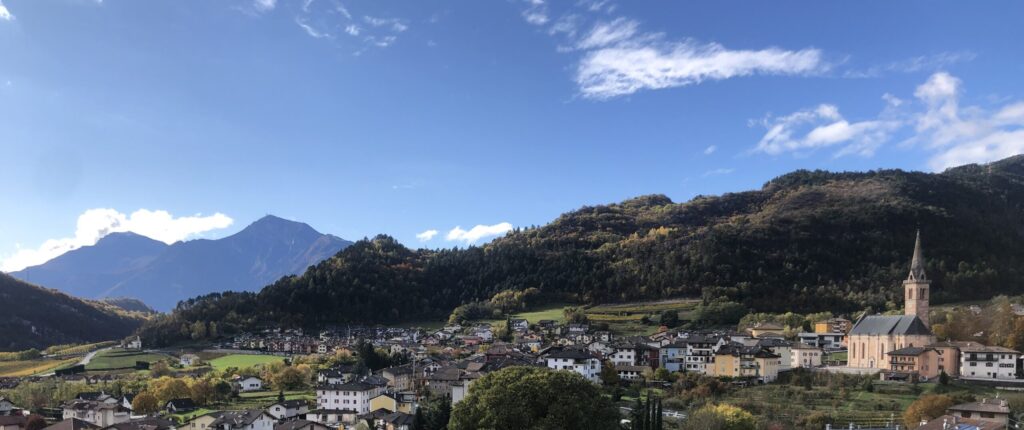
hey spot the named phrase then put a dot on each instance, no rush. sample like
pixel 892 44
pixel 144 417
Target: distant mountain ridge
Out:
pixel 37 317
pixel 130 265
pixel 806 241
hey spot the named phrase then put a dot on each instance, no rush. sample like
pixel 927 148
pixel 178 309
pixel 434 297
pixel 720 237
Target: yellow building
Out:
pixel 766 329
pixel 392 403
pixel 201 422
pixel 738 361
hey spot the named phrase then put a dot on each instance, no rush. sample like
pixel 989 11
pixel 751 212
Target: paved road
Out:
pixel 88 357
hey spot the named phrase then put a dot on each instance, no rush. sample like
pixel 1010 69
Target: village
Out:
pixel 244 382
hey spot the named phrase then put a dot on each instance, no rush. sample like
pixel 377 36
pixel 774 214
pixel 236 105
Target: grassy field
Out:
pixel 32 367
pixel 121 359
pixel 262 399
pixel 242 360
pixel 623 319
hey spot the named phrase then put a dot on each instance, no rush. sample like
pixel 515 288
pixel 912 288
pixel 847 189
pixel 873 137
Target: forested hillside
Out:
pixel 36 317
pixel 806 241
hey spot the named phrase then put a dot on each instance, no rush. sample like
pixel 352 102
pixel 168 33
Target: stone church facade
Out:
pixel 872 336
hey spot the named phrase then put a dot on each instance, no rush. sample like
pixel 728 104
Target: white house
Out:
pixel 582 362
pixel 352 395
pixel 623 354
pixel 288 409
pixel 988 362
pixel 249 383
pixel 97 412
pixel 827 341
pixel 804 355
pixel 253 419
pixel 630 373
pixel 187 360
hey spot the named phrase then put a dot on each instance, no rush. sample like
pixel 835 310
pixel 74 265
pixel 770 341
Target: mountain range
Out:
pixel 128 265
pixel 37 317
pixel 805 241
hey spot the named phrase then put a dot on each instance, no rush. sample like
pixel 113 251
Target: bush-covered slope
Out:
pixel 36 317
pixel 805 241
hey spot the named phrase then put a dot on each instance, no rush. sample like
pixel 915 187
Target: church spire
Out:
pixel 917 263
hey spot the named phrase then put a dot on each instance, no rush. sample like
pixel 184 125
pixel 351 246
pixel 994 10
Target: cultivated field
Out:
pixel 240 361
pixel 113 359
pixel 32 367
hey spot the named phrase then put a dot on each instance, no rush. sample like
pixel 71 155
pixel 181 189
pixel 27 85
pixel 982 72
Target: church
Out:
pixel 872 336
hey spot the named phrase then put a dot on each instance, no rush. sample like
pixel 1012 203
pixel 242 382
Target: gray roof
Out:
pixel 911 351
pixel 890 324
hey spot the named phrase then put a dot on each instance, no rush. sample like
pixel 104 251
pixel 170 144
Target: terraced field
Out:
pixel 32 367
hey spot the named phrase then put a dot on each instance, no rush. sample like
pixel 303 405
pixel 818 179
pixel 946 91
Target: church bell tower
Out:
pixel 916 287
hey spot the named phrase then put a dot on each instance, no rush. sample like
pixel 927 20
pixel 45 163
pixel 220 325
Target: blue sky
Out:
pixel 183 119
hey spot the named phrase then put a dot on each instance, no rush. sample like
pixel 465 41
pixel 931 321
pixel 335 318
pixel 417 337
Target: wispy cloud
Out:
pixel 921 63
pixel 718 172
pixel 932 120
pixel 478 232
pixel 94 224
pixel 618 58
pixel 325 19
pixel 312 32
pixel 536 12
pixel 5 14
pixel 264 5
pixel 426 235
pixel 394 23
pixel 710 150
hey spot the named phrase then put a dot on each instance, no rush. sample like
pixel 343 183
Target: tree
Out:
pixel 166 389
pixel 292 377
pixel 159 369
pixel 669 318
pixel 943 378
pixel 926 408
pixel 662 374
pixel 35 422
pixel 201 391
pixel 720 417
pixel 534 398
pixel 437 412
pixel 145 403
pixel 198 330
pixel 609 376
pixel 574 315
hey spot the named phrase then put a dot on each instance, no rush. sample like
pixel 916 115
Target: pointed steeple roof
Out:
pixel 917 263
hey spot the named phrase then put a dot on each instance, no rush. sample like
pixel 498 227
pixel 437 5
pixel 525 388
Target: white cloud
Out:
pixel 631 66
pixel 393 23
pixel 312 32
pixel 969 135
pixel 950 134
pixel 608 33
pixel 426 235
pixel 340 8
pixel 710 150
pixel 264 5
pixel 618 58
pixel 5 14
pixel 352 29
pixel 94 224
pixel 478 232
pixel 823 127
